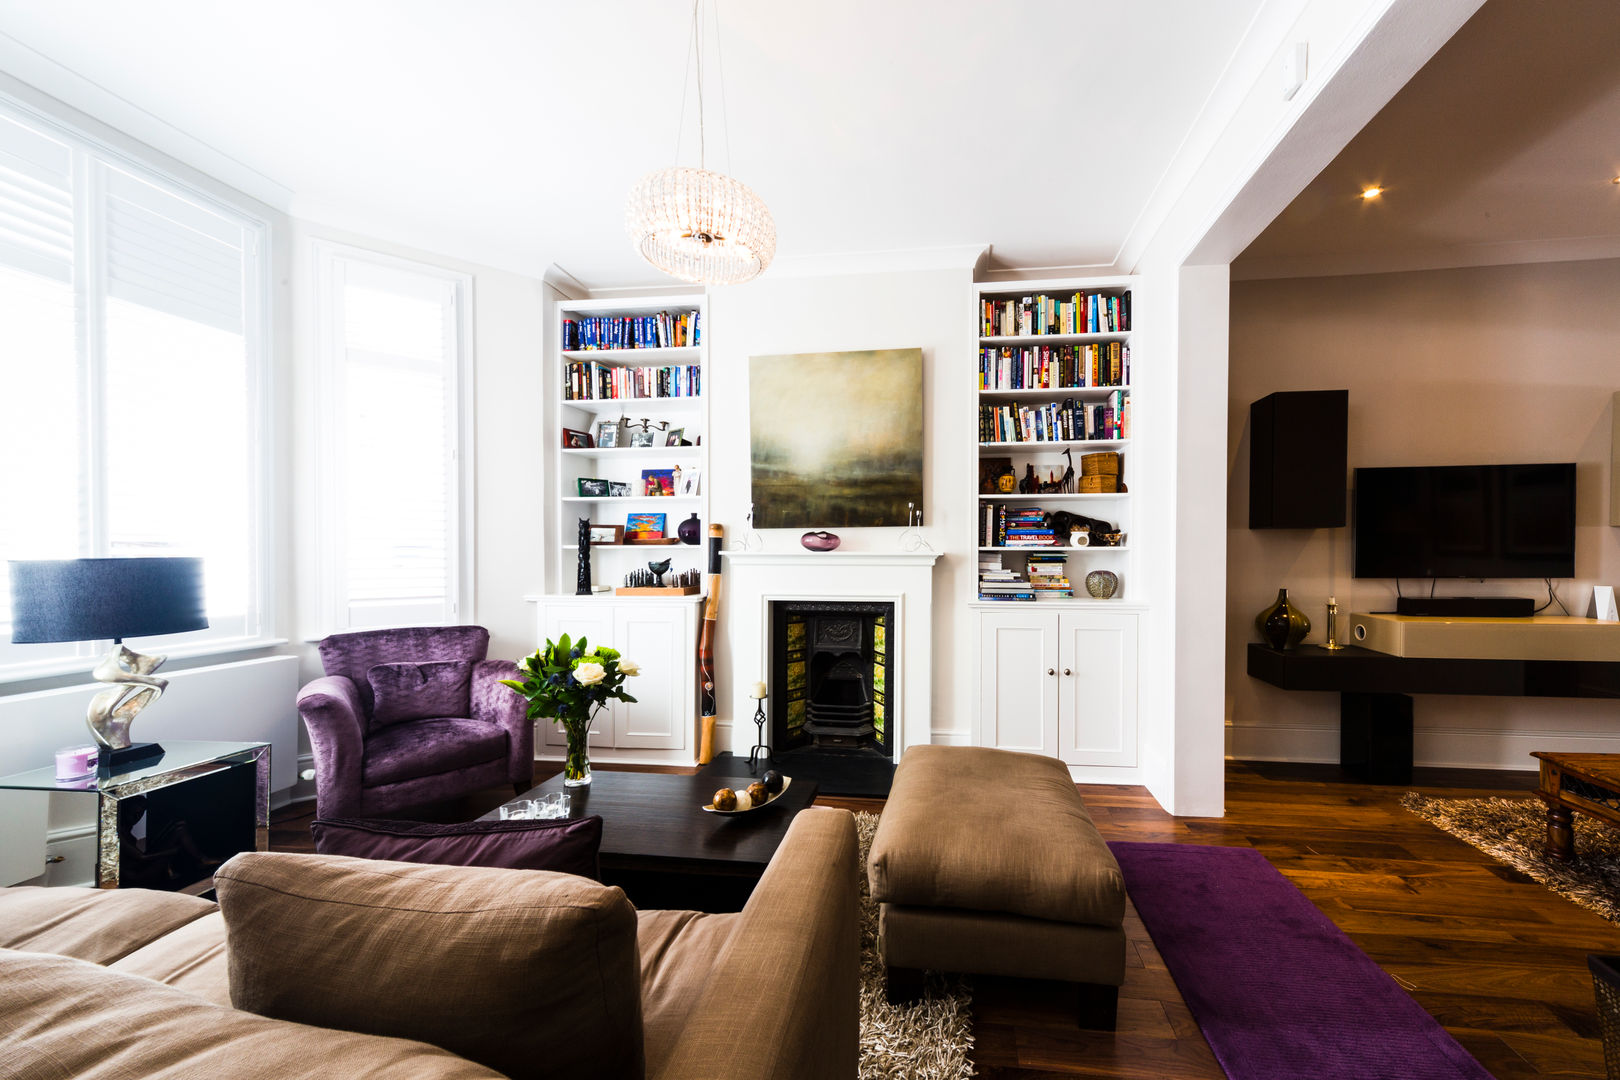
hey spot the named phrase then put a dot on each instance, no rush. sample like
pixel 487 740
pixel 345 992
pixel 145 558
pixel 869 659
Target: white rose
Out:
pixel 629 667
pixel 589 674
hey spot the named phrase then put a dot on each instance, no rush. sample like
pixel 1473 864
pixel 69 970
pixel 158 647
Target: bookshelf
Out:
pixel 1054 385
pixel 618 364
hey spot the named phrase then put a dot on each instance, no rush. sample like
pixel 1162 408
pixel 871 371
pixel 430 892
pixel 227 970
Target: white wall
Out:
pixel 1444 367
pixel 930 309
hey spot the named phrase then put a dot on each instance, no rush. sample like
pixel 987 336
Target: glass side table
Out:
pixel 171 823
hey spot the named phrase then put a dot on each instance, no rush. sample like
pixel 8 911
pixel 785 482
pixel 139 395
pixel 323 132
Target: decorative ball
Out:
pixel 725 799
pixel 772 781
pixel 743 801
pixel 758 794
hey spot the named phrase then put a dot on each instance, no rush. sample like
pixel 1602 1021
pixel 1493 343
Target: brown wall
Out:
pixel 1444 367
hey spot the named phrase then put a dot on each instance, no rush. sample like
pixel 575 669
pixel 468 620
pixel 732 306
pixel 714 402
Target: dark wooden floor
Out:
pixel 1497 958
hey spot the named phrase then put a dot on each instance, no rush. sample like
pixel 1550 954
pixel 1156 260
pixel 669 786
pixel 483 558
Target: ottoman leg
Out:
pixel 903 985
pixel 1098 1006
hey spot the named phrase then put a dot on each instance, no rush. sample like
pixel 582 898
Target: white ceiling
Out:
pixel 1501 149
pixel 508 132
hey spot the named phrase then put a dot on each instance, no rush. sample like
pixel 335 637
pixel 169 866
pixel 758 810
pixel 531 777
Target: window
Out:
pixel 131 367
pixel 392 462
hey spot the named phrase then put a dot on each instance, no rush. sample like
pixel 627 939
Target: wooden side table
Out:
pixel 1589 783
pixel 177 817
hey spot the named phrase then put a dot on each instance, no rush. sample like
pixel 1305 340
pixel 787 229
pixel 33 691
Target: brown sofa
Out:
pixel 134 983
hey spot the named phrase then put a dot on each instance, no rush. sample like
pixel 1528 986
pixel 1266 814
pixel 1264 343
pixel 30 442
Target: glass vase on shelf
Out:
pixel 568 682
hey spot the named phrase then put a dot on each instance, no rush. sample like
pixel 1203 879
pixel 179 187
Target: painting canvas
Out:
pixel 836 438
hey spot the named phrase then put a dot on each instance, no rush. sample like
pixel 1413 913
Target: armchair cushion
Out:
pixel 407 691
pixel 415 748
pixel 530 973
pixel 566 845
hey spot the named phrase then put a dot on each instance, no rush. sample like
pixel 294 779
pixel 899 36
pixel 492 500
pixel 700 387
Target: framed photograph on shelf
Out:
pixel 607 434
pixel 643 527
pixel 642 436
pixel 607 534
pixel 619 489
pixel 576 440
pixel 658 481
pixel 675 437
pixel 592 489
pixel 689 480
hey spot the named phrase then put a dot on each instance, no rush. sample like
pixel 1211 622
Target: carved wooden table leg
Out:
pixel 1560 833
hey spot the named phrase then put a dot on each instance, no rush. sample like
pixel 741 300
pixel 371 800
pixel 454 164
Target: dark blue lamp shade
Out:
pixel 97 599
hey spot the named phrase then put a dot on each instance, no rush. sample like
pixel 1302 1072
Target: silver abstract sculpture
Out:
pixel 132 689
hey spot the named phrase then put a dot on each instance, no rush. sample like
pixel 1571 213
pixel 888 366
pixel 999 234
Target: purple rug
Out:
pixel 1278 990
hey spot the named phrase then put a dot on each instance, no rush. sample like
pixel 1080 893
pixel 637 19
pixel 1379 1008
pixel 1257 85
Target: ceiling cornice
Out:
pixel 1500 253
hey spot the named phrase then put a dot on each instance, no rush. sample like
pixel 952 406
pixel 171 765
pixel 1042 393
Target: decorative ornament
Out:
pixel 820 540
pixel 695 224
pixel 1102 584
pixel 1282 624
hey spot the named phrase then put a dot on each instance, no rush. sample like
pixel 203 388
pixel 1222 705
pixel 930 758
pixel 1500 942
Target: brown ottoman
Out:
pixel 985 861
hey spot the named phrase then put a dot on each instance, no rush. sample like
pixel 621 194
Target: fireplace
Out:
pixel 831 679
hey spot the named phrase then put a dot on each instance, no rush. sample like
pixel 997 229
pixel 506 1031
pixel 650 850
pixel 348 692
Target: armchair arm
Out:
pixel 499 704
pixel 331 710
pixel 801 924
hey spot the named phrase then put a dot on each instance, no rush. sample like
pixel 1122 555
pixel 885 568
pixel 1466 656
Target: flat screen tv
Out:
pixel 1465 521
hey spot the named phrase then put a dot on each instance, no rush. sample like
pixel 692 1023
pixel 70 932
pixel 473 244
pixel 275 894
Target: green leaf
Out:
pixel 514 684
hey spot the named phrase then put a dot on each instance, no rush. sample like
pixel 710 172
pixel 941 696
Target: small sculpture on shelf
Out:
pixel 1064 483
pixel 659 569
pixel 583 587
pixel 1030 484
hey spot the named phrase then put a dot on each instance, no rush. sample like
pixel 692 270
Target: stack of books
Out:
pixel 1026 527
pixel 999 583
pixel 1066 421
pixel 660 331
pixel 1046 577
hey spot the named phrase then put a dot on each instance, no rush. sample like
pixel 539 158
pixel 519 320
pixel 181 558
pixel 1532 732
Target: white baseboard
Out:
pixel 951 738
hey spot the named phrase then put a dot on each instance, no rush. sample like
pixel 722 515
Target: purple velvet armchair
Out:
pixel 412 716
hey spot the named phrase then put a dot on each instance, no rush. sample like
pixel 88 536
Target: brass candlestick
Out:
pixel 1332 625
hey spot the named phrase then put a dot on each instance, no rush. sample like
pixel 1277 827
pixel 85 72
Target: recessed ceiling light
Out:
pixel 1616 180
pixel 1371 192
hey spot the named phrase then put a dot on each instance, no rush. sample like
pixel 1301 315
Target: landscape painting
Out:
pixel 836 438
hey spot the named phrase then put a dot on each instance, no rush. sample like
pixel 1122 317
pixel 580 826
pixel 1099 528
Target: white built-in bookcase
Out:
pixel 623 463
pixel 1048 457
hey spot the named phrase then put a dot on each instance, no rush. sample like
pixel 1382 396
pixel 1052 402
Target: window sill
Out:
pixel 85 664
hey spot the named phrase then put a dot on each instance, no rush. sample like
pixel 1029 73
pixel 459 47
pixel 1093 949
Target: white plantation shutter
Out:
pixel 392 417
pixel 130 353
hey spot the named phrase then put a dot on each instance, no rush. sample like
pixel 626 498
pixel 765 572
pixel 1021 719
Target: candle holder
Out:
pixel 1332 641
pixel 761 753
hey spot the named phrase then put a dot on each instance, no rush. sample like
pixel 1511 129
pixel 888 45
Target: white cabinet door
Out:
pixel 1097 700
pixel 592 620
pixel 658 639
pixel 1018 683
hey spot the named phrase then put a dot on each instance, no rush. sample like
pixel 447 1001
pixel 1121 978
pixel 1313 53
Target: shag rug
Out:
pixel 1512 830
pixel 927 1040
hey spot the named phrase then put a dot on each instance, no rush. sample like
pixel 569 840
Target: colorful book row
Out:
pixel 660 331
pixel 1066 421
pixel 586 380
pixel 1079 313
pixel 1055 367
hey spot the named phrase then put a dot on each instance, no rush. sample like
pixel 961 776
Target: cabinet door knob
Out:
pixel 1050 671
pixel 1066 671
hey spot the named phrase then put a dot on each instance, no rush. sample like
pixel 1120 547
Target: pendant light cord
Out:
pixel 697 37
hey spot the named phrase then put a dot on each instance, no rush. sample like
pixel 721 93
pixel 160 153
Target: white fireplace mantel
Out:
pixel 757 579
pixel 832 558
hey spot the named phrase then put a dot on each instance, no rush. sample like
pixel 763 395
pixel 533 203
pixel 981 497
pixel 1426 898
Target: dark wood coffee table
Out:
pixel 665 851
pixel 1589 783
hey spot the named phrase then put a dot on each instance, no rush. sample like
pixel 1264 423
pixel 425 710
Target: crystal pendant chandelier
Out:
pixel 695 224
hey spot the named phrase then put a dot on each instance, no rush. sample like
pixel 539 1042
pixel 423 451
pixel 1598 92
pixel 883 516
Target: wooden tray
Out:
pixel 649 543
pixel 649 590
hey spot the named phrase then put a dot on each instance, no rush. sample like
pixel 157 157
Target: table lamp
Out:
pixel 97 599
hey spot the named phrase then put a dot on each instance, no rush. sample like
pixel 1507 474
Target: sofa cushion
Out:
pixel 98 925
pixel 529 972
pixel 413 749
pixel 68 1018
pixel 191 958
pixel 992 830
pixel 409 691
pixel 566 845
pixel 678 949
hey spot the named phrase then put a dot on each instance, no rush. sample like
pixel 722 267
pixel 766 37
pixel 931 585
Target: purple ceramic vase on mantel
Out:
pixel 820 540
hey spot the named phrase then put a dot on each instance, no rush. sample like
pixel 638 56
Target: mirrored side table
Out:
pixel 171 823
